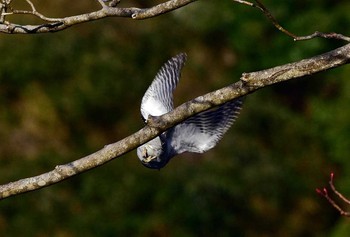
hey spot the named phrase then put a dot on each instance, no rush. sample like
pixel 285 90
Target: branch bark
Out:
pixel 248 83
pixel 58 24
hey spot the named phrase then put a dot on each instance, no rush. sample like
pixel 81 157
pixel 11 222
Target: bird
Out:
pixel 196 134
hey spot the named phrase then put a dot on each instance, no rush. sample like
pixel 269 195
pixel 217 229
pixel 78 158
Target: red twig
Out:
pixel 324 192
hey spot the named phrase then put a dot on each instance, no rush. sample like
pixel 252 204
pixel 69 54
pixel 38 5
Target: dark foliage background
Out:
pixel 67 94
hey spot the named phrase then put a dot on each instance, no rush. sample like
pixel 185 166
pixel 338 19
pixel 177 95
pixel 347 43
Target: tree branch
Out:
pixel 248 83
pixel 111 10
pixel 58 24
pixel 324 192
pixel 259 5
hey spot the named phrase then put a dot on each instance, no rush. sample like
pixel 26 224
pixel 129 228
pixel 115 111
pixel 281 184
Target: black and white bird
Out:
pixel 196 134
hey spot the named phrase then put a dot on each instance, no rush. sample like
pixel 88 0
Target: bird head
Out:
pixel 151 154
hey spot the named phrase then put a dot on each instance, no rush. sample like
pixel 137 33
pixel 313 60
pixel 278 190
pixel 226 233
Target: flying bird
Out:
pixel 196 134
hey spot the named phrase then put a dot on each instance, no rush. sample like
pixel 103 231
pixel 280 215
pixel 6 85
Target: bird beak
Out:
pixel 144 152
pixel 147 158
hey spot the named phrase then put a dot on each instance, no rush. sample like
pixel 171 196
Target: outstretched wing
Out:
pixel 203 131
pixel 158 98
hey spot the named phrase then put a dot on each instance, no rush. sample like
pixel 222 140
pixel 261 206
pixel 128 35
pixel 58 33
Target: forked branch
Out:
pixel 109 8
pixel 259 5
pixel 58 24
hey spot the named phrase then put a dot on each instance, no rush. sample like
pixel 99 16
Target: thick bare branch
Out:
pixel 58 24
pixel 305 67
pixel 249 83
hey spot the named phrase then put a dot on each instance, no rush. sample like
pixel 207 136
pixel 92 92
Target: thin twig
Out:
pixel 33 12
pixel 58 24
pixel 336 191
pixel 274 21
pixel 268 14
pixel 31 5
pixel 324 192
pixel 37 14
pixel 3 9
pixel 245 3
pixel 331 35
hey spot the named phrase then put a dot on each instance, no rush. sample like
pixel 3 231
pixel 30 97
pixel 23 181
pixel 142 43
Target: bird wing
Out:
pixel 204 130
pixel 158 99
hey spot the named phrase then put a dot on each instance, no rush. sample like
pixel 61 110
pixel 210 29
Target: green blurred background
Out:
pixel 67 94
